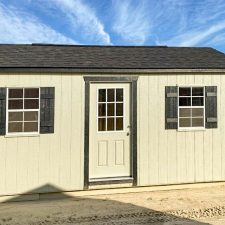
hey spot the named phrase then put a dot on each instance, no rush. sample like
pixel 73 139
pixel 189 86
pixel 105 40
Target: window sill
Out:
pixel 191 129
pixel 21 135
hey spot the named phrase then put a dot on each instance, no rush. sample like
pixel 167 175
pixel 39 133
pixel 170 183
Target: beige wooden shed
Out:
pixel 78 117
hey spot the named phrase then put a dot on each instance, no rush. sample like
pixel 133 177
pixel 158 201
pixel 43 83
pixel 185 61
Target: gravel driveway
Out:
pixel 197 206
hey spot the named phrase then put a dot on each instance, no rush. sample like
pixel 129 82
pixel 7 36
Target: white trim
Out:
pixel 27 134
pixel 191 129
pixel 18 134
pixel 111 179
pixel 200 128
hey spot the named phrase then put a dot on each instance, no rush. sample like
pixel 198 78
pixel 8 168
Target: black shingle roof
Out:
pixel 109 57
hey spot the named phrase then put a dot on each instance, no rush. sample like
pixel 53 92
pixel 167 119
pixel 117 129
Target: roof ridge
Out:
pixel 98 46
pixel 105 46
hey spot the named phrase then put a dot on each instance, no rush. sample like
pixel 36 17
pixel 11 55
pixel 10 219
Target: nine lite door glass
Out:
pixel 110 109
pixel 191 107
pixel 23 110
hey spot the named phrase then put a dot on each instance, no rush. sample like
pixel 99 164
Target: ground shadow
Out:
pixel 81 210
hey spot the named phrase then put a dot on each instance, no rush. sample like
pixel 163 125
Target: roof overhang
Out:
pixel 105 71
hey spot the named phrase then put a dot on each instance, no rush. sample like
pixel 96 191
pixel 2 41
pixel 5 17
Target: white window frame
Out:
pixel 124 114
pixel 190 107
pixel 11 134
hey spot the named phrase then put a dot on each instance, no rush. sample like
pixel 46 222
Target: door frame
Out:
pixel 133 119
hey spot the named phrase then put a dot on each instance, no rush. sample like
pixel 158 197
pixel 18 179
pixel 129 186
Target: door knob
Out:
pixel 128 133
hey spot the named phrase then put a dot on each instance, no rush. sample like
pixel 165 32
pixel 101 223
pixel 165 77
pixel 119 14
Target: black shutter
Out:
pixel 211 107
pixel 2 111
pixel 171 105
pixel 47 110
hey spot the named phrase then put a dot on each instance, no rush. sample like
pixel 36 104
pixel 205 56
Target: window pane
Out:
pixel 15 127
pixel 15 116
pixel 184 101
pixel 30 126
pixel 110 95
pixel 15 93
pixel 15 104
pixel 101 124
pixel 101 109
pixel 119 109
pixel 185 122
pixel 197 91
pixel 110 124
pixel 185 112
pixel 119 94
pixel 184 91
pixel 30 116
pixel 31 103
pixel 119 123
pixel 197 112
pixel 197 122
pixel 31 93
pixel 110 109
pixel 102 95
pixel 197 101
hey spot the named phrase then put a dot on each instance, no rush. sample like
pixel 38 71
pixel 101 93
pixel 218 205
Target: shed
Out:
pixel 77 117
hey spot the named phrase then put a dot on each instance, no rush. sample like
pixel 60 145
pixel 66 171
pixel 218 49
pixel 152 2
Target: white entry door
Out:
pixel 109 153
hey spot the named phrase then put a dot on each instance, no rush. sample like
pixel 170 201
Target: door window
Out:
pixel 110 112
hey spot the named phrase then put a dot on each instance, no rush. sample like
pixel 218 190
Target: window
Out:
pixel 23 106
pixel 191 107
pixel 110 109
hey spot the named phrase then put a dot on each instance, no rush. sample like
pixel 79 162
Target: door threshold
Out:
pixel 111 180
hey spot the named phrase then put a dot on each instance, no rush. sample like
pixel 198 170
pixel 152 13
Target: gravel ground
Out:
pixel 177 207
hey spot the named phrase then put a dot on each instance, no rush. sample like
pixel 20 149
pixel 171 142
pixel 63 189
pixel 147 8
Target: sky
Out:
pixel 114 22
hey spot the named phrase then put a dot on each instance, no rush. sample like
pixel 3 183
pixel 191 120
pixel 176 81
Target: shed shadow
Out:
pixel 61 208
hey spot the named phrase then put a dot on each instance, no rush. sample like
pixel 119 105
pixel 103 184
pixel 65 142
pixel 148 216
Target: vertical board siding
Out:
pixel 76 146
pixel 143 113
pixel 162 133
pixel 65 154
pixel 48 162
pixel 3 167
pixel 178 156
pixel 51 162
pixel 153 177
pixel 217 154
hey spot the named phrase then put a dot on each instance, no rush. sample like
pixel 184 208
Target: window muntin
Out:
pixel 23 106
pixel 110 109
pixel 191 107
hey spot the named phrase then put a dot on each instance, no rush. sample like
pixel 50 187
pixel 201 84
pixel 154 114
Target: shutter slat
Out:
pixel 2 111
pixel 211 120
pixel 171 97
pixel 47 110
pixel 211 106
pixel 171 120
pixel 211 94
